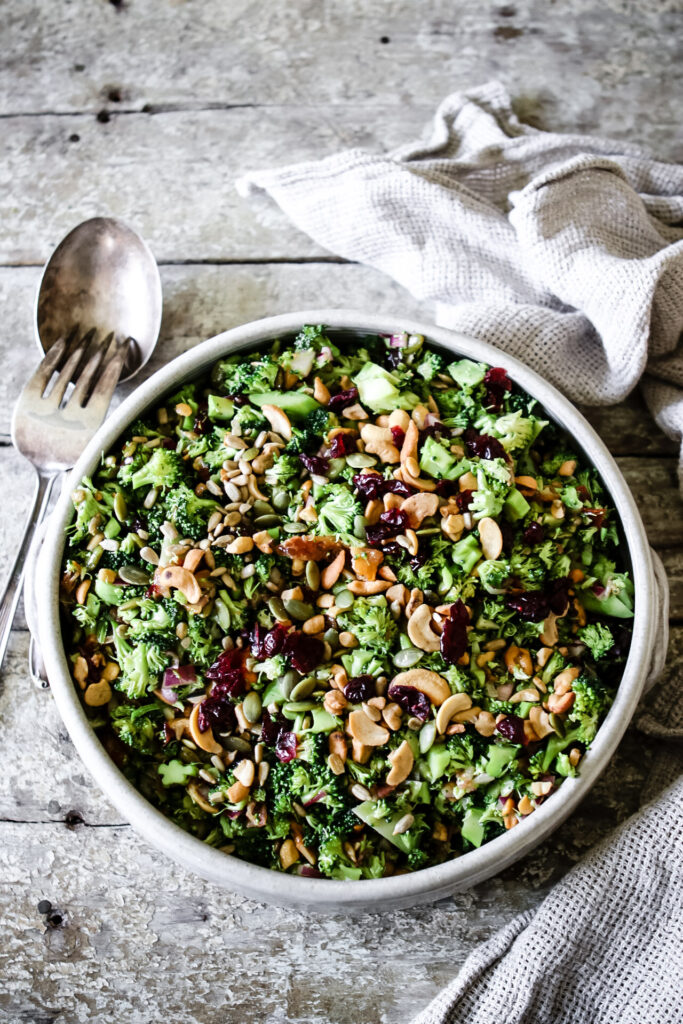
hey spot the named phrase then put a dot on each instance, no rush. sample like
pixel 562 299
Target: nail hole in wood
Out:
pixel 103 117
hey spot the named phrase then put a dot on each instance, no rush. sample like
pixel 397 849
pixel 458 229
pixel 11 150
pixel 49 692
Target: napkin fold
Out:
pixel 564 250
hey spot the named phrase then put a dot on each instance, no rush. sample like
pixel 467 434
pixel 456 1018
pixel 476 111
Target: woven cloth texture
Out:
pixel 605 947
pixel 564 250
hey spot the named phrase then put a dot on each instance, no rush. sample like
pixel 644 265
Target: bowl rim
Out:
pixel 277 887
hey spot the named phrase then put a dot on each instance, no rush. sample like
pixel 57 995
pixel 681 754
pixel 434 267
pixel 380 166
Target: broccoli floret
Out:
pixel 135 726
pixel 313 337
pixel 188 513
pixel 249 420
pixel 237 375
pixel 305 783
pixel 140 665
pixel 164 469
pixel 590 704
pixel 90 503
pixel 334 862
pixel 311 434
pixel 155 621
pixel 86 614
pixel 205 641
pixel 494 575
pixel 369 773
pixel 598 638
pixel 285 471
pixel 337 509
pixel 430 364
pixel 551 466
pixel 371 622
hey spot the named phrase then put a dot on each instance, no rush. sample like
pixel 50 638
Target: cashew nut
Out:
pixel 402 761
pixel 414 601
pixel 410 442
pixel 197 796
pixel 204 740
pixel 180 579
pixel 518 657
pixel 331 572
pixel 559 704
pixel 337 744
pixel 237 792
pixel 540 721
pixel 418 507
pixel 365 731
pixel 562 683
pixel 397 592
pixel 454 704
pixel 98 694
pixel 491 538
pixel 278 420
pixel 434 686
pixel 245 772
pixel 365 587
pixel 392 715
pixel 192 559
pixel 452 526
pixel 420 631
pixel 320 391
pixel 550 636
pixel 399 418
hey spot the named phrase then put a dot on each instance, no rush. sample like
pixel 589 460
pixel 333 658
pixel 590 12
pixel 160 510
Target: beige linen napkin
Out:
pixel 564 250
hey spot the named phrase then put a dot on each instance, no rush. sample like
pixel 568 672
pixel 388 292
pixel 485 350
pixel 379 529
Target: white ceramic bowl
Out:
pixel 321 894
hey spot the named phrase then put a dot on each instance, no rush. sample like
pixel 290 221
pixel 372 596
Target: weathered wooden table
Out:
pixel 148 110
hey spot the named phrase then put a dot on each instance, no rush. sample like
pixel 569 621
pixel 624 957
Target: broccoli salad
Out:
pixel 346 607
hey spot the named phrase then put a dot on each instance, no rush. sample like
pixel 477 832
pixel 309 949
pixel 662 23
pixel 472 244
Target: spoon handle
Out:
pixel 10 597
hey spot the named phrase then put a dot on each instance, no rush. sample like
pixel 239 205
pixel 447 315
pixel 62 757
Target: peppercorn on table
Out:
pixel 148 111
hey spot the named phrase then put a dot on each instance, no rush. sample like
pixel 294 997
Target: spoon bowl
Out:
pixel 103 275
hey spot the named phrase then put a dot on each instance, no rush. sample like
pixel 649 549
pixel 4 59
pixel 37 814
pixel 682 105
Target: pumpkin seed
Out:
pixel 336 467
pixel 344 599
pixel 250 454
pixel 297 707
pixel 120 507
pixel 251 707
pixel 408 657
pixel 427 736
pixel 557 724
pixel 359 525
pixel 299 610
pixel 280 500
pixel 268 520
pixel 313 575
pixel 331 637
pixel 94 557
pixel 276 608
pixel 236 743
pixel 262 508
pixel 303 689
pixel 131 574
pixel 359 460
pixel 295 527
pixel 288 682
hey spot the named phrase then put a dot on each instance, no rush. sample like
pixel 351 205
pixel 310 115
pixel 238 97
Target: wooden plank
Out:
pixel 135 930
pixel 576 64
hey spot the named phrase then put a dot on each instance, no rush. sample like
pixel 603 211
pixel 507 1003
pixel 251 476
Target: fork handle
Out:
pixel 10 597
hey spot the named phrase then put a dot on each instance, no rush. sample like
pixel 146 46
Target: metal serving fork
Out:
pixel 51 433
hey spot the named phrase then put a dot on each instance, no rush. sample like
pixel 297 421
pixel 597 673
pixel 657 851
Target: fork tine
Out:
pixel 47 366
pixel 80 392
pixel 64 378
pixel 98 403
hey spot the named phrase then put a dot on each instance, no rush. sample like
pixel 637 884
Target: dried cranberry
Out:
pixel 391 522
pixel 508 534
pixel 342 399
pixel 317 464
pixel 285 746
pixel 434 429
pixel 341 445
pixel 169 734
pixel 595 515
pixel 512 728
pixel 411 700
pixel 496 382
pixel 270 727
pixel 275 640
pixel 217 712
pixel 463 499
pixel 152 591
pixel 372 486
pixel 360 688
pixel 168 443
pixel 203 473
pixel 238 399
pixel 483 445
pixel 454 635
pixel 228 673
pixel 534 605
pixel 398 435
pixel 304 652
pixel 202 424
pixel 534 534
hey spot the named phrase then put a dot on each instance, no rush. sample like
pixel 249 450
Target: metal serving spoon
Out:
pixel 101 281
